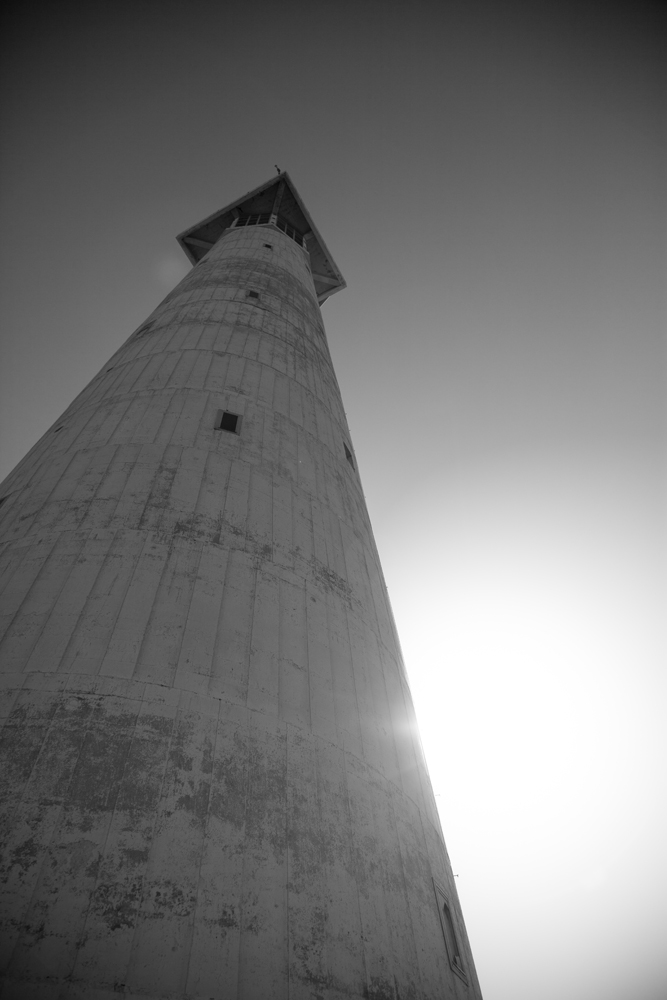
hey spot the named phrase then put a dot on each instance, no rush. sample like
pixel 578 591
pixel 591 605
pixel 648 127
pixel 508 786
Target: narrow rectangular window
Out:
pixel 449 933
pixel 253 295
pixel 348 455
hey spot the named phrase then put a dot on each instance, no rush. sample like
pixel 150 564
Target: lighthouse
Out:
pixel 213 786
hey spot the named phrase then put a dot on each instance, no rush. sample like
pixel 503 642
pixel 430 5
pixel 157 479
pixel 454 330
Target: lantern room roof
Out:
pixel 197 240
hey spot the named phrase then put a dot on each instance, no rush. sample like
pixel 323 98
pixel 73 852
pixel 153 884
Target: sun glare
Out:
pixel 529 643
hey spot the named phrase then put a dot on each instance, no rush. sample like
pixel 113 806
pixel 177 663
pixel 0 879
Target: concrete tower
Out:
pixel 213 785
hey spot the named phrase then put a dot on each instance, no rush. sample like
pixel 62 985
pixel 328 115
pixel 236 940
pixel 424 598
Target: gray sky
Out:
pixel 489 177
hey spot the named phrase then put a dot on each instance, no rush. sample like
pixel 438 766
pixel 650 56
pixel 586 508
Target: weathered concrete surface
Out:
pixel 213 786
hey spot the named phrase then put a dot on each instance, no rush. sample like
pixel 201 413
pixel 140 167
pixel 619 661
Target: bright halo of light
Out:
pixel 526 602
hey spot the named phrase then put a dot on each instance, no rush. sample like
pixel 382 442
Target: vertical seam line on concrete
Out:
pixel 56 825
pixel 180 374
pixel 148 541
pixel 19 802
pixel 108 385
pixel 253 605
pixel 63 538
pixel 27 466
pixel 15 566
pixel 203 321
pixel 202 479
pixel 304 593
pixel 287 892
pixel 75 628
pixel 186 619
pixel 81 525
pixel 353 672
pixel 170 564
pixel 151 483
pixel 124 372
pixel 139 403
pixel 216 636
pixel 173 397
pixel 339 730
pixel 106 836
pixel 9 565
pixel 66 466
pixel 158 377
pixel 204 385
pixel 245 824
pixel 167 341
pixel 386 923
pixel 136 452
pixel 163 466
pixel 352 846
pixel 203 849
pixel 116 413
pixel 79 557
pixel 406 895
pixel 223 495
pixel 156 816
pixel 315 750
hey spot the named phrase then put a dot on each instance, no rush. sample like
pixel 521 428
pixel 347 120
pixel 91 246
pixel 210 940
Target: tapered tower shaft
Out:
pixel 213 781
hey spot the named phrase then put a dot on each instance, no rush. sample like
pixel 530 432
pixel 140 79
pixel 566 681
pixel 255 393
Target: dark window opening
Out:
pixel 56 429
pixel 2 500
pixel 253 295
pixel 269 246
pixel 253 220
pixel 226 421
pixel 264 219
pixel 348 455
pixel 291 232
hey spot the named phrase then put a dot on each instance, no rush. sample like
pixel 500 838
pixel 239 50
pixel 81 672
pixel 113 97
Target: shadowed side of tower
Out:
pixel 213 785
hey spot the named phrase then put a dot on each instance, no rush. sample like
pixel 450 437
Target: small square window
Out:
pixel 269 246
pixel 226 421
pixel 253 295
pixel 348 455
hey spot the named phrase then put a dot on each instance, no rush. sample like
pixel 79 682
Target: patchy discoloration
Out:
pixel 117 904
pixel 331 581
pixel 254 789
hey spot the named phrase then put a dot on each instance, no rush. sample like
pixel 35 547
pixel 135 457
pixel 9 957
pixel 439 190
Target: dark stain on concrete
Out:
pixel 196 803
pixel 25 855
pixel 379 989
pixel 172 899
pixel 227 920
pixel 331 581
pixel 117 904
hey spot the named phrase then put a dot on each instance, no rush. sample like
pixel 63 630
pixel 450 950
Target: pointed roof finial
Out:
pixel 277 167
